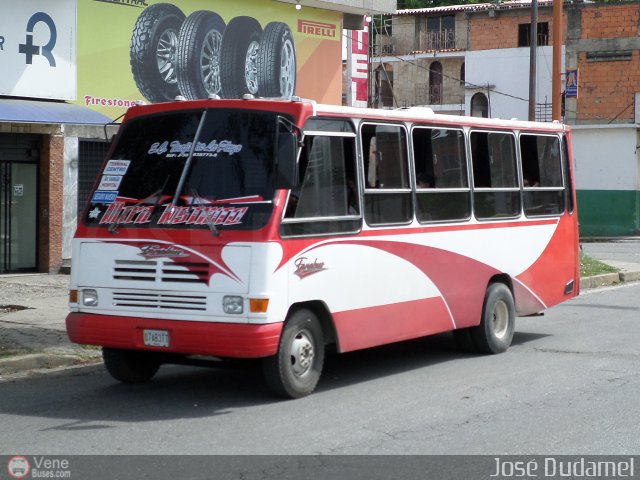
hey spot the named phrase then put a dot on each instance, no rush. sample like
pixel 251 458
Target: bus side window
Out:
pixel 543 192
pixel 496 192
pixel 440 165
pixel 387 197
pixel 328 191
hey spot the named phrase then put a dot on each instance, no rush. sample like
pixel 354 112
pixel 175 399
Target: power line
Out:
pixel 476 86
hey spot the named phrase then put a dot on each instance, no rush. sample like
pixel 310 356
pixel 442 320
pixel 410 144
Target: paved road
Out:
pixel 569 385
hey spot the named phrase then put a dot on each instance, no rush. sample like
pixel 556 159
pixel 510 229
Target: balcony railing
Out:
pixel 434 95
pixel 439 40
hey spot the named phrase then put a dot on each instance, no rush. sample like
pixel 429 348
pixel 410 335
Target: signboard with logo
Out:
pixel 571 84
pixel 145 51
pixel 37 49
pixel 359 66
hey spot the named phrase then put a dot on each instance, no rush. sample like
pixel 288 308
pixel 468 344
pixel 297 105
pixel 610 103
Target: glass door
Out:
pixel 18 216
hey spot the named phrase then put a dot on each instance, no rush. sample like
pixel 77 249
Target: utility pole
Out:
pixel 532 60
pixel 349 99
pixel 556 95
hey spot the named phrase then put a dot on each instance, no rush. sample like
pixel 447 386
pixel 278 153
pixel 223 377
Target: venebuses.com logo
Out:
pixel 38 467
pixel 18 467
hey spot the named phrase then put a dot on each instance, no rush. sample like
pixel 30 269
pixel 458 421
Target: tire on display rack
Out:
pixel 239 57
pixel 277 62
pixel 295 369
pixel 495 332
pixel 198 58
pixel 153 51
pixel 130 366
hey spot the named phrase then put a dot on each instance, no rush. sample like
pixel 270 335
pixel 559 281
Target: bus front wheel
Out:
pixel 130 366
pixel 495 332
pixel 295 370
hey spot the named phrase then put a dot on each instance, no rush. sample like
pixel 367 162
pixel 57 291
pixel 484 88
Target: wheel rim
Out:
pixel 166 55
pixel 251 67
pixel 500 319
pixel 287 69
pixel 210 62
pixel 302 353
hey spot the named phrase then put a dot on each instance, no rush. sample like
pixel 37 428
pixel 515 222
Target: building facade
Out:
pixel 71 68
pixel 474 60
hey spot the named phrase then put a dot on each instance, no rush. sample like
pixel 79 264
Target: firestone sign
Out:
pixel 37 49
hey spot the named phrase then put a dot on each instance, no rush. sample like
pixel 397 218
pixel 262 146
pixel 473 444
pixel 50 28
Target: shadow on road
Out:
pixel 90 399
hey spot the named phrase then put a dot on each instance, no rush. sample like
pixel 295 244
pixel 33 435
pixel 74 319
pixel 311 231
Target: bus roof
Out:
pixel 304 108
pixel 425 114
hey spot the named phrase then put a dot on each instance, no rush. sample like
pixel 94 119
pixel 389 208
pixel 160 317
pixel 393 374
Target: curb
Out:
pixel 608 279
pixel 603 280
pixel 629 276
pixel 39 361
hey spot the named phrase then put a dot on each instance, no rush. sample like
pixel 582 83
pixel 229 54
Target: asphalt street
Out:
pixel 568 385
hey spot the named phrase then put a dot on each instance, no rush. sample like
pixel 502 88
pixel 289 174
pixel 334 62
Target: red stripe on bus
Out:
pixel 234 340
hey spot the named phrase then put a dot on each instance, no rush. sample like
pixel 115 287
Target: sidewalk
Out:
pixel 33 309
pixel 623 254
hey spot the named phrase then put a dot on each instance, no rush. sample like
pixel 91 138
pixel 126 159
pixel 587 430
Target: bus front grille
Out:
pixel 161 271
pixel 161 301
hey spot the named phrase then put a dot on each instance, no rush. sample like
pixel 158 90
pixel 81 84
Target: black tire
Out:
pixel 495 332
pixel 239 57
pixel 295 370
pixel 130 366
pixel 198 59
pixel 277 62
pixel 153 51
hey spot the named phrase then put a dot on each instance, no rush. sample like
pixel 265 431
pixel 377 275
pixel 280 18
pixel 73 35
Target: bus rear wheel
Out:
pixel 295 369
pixel 495 332
pixel 130 366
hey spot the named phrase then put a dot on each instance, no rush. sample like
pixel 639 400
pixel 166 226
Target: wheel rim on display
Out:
pixel 302 353
pixel 251 67
pixel 210 62
pixel 166 55
pixel 500 319
pixel 287 69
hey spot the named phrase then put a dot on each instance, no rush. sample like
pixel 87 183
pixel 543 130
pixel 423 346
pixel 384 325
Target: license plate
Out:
pixel 156 338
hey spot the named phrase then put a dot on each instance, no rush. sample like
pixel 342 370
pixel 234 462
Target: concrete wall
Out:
pixel 607 179
pixel 506 71
pixel 404 34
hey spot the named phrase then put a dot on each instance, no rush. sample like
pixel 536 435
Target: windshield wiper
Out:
pixel 194 193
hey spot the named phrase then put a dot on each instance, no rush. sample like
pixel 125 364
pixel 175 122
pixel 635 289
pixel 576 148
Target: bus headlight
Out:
pixel 89 298
pixel 233 304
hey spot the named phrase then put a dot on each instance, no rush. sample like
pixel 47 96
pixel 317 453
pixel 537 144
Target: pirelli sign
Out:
pixel 311 28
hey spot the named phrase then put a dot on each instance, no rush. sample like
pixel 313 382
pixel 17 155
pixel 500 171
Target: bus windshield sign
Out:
pixel 161 175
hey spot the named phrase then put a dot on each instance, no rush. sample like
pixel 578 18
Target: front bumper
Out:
pixel 229 340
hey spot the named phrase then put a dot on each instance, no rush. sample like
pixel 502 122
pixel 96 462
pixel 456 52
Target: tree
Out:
pixel 406 4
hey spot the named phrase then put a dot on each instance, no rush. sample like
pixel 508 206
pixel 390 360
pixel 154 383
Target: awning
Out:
pixel 35 111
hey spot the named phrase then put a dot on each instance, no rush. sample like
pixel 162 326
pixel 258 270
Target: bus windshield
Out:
pixel 156 177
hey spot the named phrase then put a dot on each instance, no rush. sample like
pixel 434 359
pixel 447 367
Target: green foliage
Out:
pixel 406 4
pixel 589 266
pixel 409 4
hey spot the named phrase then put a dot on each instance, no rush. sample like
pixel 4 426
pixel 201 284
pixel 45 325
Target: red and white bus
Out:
pixel 265 229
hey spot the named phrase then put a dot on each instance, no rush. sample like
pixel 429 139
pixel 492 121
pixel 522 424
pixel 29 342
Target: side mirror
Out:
pixel 286 161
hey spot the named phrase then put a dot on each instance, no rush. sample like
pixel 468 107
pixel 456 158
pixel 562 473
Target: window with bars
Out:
pixel 524 34
pixel 91 154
